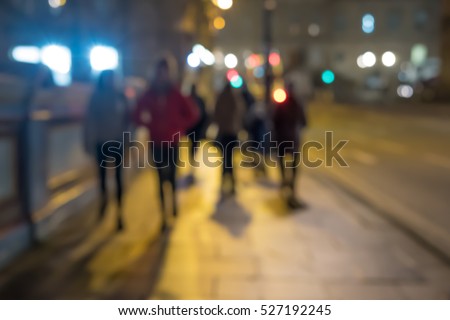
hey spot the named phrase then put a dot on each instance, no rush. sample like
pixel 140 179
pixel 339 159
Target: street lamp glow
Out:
pixel 198 49
pixel 369 59
pixel 56 3
pixel 405 91
pixel 368 23
pixel 237 82
pixel 388 59
pixel 207 57
pixel 419 54
pixel 219 23
pixel 279 95
pixel 27 54
pixel 360 62
pixel 57 58
pixel 224 4
pixel 328 77
pixel 231 61
pixel 193 60
pixel 274 59
pixel 104 58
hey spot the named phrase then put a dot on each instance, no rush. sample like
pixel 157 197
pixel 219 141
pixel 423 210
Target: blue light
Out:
pixel 328 77
pixel 104 58
pixel 57 58
pixel 27 54
pixel 237 82
pixel 368 23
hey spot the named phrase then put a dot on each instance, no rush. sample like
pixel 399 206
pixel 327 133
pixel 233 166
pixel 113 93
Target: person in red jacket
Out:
pixel 167 114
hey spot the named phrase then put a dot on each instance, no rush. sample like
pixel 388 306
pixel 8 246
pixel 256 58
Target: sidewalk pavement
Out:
pixel 248 247
pixel 253 247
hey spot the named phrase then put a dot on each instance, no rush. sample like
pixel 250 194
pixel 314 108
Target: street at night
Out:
pixel 357 238
pixel 225 150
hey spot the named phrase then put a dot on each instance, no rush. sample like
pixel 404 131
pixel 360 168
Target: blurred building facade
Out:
pixel 141 30
pixel 332 34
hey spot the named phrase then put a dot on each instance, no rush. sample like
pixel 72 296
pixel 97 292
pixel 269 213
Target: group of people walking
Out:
pixel 168 115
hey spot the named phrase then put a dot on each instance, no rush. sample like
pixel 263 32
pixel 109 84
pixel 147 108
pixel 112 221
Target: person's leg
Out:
pixel 296 158
pixel 172 174
pixel 194 145
pixel 292 200
pixel 227 152
pixel 160 162
pixel 102 179
pixel 221 146
pixel 281 157
pixel 119 191
pixel 230 165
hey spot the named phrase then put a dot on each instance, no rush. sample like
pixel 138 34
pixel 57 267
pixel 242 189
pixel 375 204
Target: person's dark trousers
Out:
pixel 195 144
pixel 165 160
pixel 227 143
pixel 109 157
pixel 289 160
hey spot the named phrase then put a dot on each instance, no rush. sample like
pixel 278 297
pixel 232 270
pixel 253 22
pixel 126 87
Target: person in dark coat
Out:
pixel 107 119
pixel 228 116
pixel 289 119
pixel 198 131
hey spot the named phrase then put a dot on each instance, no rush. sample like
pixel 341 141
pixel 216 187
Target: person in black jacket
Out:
pixel 107 118
pixel 288 121
pixel 198 131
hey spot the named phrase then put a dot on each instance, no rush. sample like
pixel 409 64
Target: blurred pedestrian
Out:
pixel 247 97
pixel 167 114
pixel 228 116
pixel 106 121
pixel 198 131
pixel 288 121
pixel 256 125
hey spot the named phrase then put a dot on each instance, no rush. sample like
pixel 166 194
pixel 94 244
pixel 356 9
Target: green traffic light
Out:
pixel 328 77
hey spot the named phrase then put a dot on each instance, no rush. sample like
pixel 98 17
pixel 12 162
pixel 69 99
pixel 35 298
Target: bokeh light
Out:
pixel 104 58
pixel 224 4
pixel 368 59
pixel 388 59
pixel 57 58
pixel 360 62
pixel 314 30
pixel 279 95
pixel 193 60
pixel 231 74
pixel 207 57
pixel 219 23
pixel 237 82
pixel 405 91
pixel 328 77
pixel 27 54
pixel 419 54
pixel 231 61
pixel 56 3
pixel 368 23
pixel 274 59
pixel 253 61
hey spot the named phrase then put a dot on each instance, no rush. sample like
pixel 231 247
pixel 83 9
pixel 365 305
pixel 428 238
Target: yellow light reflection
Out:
pixel 219 23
